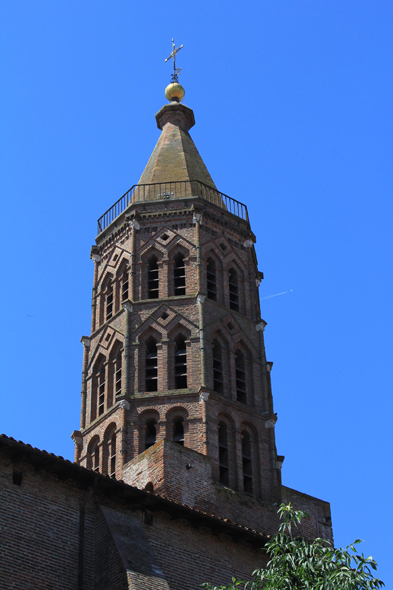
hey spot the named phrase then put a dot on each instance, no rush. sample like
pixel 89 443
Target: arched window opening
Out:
pixel 109 302
pixel 178 430
pixel 151 365
pixel 152 278
pixel 211 279
pixel 101 391
pixel 241 385
pixel 223 453
pixel 233 290
pixel 112 456
pixel 247 462
pixel 150 433
pixel 180 363
pixel 118 365
pixel 96 458
pixel 124 285
pixel 179 275
pixel 218 381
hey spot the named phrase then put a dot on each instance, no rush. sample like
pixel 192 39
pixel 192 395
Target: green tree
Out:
pixel 296 563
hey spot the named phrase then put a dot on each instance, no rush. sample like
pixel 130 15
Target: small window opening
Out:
pixel 96 458
pixel 151 365
pixel 109 302
pixel 223 453
pixel 218 380
pixel 118 364
pixel 223 247
pixel 230 325
pixel 233 290
pixel 211 279
pixel 152 278
pixel 150 433
pixel 17 477
pixel 180 275
pixel 241 385
pixel 180 362
pixel 164 237
pixel 149 487
pixel 165 316
pixel 116 256
pixel 101 391
pixel 107 337
pixel 112 456
pixel 247 463
pixel 124 286
pixel 178 431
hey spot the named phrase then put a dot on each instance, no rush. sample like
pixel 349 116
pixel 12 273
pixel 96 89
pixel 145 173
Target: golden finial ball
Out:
pixel 175 92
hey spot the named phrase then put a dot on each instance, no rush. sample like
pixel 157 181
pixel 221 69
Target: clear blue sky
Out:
pixel 293 104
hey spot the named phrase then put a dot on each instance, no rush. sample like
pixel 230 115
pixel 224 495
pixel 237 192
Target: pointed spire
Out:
pixel 175 157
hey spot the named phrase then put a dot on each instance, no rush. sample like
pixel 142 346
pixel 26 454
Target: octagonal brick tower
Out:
pixel 176 394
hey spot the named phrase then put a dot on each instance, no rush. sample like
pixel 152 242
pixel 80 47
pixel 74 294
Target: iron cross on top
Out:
pixel 176 71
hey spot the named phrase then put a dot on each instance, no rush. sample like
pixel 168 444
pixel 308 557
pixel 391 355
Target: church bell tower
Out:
pixel 176 393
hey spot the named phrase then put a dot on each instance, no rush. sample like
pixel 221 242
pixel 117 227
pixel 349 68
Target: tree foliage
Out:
pixel 296 563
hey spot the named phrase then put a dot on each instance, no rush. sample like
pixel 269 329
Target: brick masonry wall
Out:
pixel 124 546
pixel 185 476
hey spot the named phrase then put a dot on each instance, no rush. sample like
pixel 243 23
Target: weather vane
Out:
pixel 176 71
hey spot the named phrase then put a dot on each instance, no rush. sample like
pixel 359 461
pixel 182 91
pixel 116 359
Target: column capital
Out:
pixel 77 438
pixel 204 396
pixel 124 405
pixel 197 218
pixel 248 243
pixel 86 341
pixel 261 326
pixel 201 299
pixel 135 224
pixel 127 305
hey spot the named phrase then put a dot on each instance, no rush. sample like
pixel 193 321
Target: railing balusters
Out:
pixel 178 189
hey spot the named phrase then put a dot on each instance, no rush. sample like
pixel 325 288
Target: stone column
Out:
pixel 97 260
pixel 124 406
pixel 126 381
pixel 86 347
pixel 203 397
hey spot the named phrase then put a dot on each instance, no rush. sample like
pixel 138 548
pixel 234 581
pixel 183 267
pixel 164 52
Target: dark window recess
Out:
pixel 233 290
pixel 109 302
pixel 230 325
pixel 223 247
pixel 179 275
pixel 17 477
pixel 180 363
pixel 118 364
pixel 164 237
pixel 223 453
pixel 218 381
pixel 178 431
pixel 124 286
pixel 247 463
pixel 241 386
pixel 211 279
pixel 96 458
pixel 165 315
pixel 151 365
pixel 152 278
pixel 101 391
pixel 112 456
pixel 150 433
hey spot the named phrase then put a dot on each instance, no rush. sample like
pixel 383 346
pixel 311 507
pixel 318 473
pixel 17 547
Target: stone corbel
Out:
pixel 127 305
pixel 86 342
pixel 95 257
pixel 197 218
pixel 269 365
pixel 248 244
pixel 77 438
pixel 261 326
pixel 201 299
pixel 271 422
pixel 124 405
pixel 135 224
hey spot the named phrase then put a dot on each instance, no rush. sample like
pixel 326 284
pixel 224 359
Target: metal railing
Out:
pixel 171 190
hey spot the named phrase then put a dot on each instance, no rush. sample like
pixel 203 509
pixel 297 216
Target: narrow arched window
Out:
pixel 211 279
pixel 179 275
pixel 233 290
pixel 180 362
pixel 178 430
pixel 247 462
pixel 109 302
pixel 150 433
pixel 117 373
pixel 223 453
pixel 112 456
pixel 241 385
pixel 124 285
pixel 151 365
pixel 152 278
pixel 96 458
pixel 218 381
pixel 101 390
